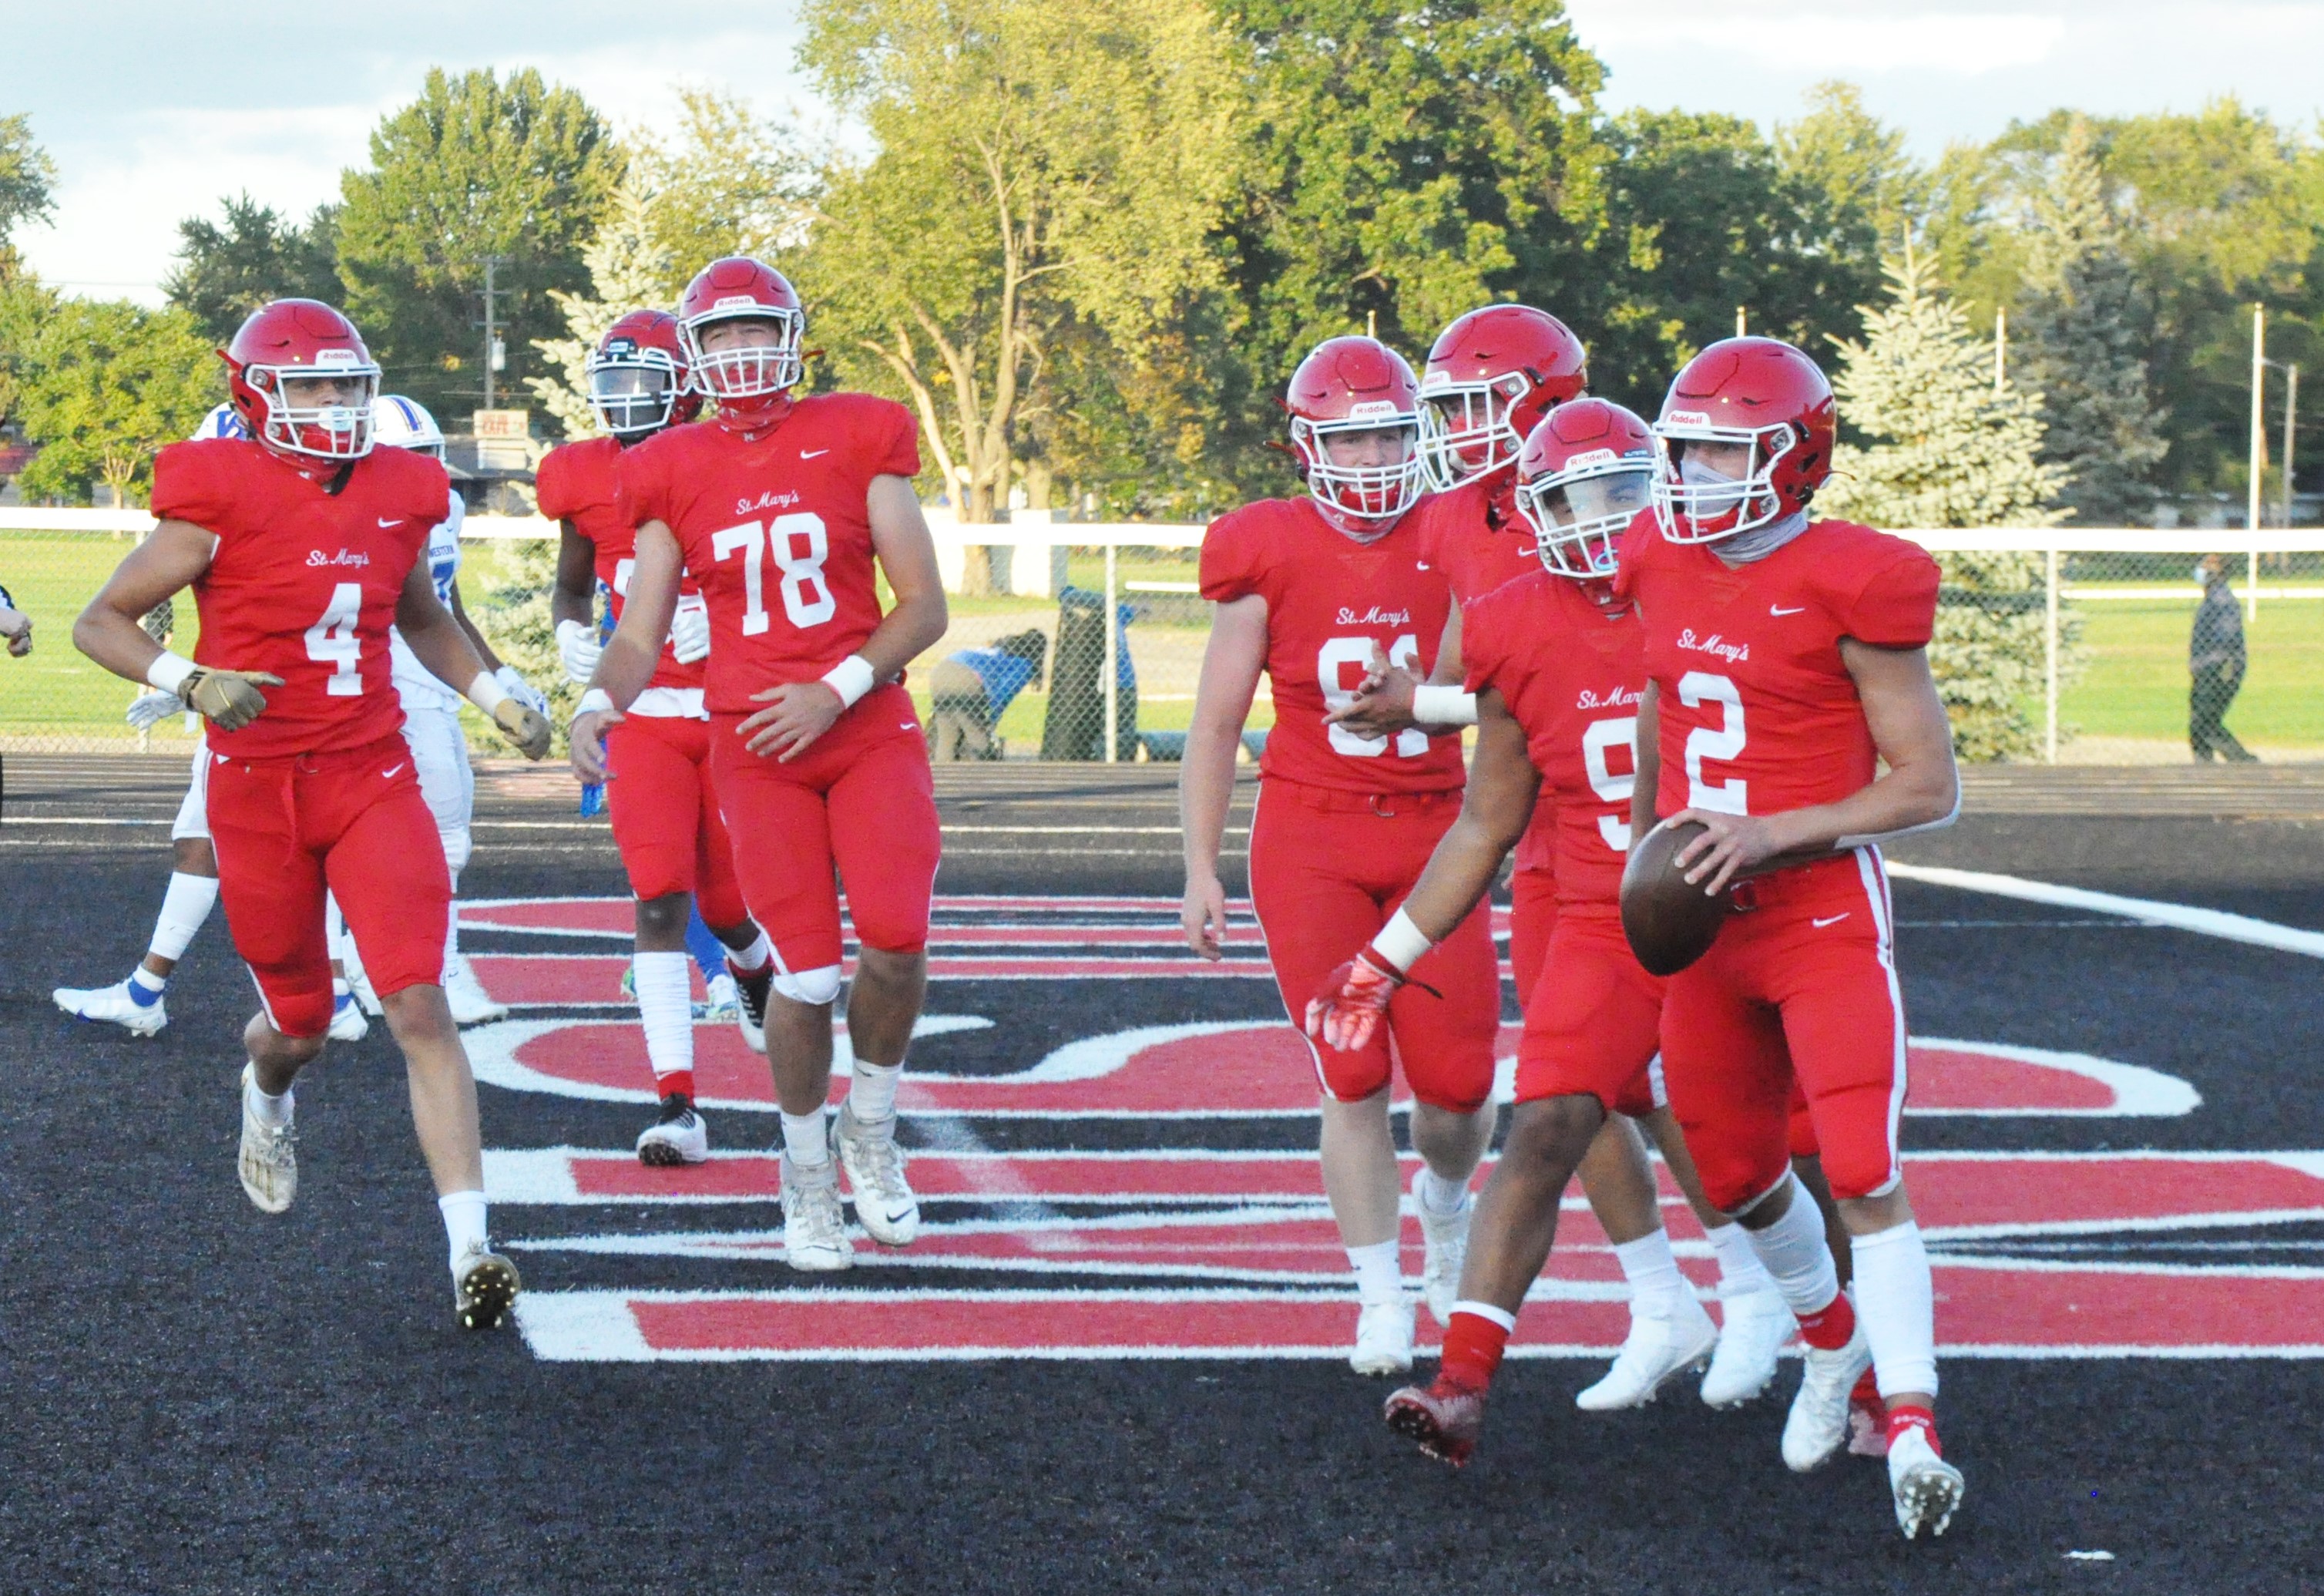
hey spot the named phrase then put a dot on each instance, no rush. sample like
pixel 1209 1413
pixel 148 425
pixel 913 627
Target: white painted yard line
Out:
pixel 2179 916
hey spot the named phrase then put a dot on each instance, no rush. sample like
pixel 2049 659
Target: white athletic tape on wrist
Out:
pixel 1400 943
pixel 488 694
pixel 595 701
pixel 1444 704
pixel 168 672
pixel 851 678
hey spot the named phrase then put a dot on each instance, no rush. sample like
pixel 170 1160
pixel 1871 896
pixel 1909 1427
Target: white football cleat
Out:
pixel 884 1204
pixel 1384 1337
pixel 1655 1349
pixel 1927 1489
pixel 678 1136
pixel 115 1005
pixel 348 1022
pixel 1817 1425
pixel 359 984
pixel 269 1160
pixel 486 1285
pixel 1753 1331
pixel 721 1003
pixel 1446 1239
pixel 470 1003
pixel 815 1230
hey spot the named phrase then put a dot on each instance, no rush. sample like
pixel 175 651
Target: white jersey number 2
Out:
pixel 1695 690
pixel 1345 656
pixel 799 545
pixel 331 640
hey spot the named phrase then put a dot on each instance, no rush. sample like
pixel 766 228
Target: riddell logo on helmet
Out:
pixel 1373 410
pixel 1689 419
pixel 734 302
pixel 337 357
pixel 1438 379
pixel 1591 458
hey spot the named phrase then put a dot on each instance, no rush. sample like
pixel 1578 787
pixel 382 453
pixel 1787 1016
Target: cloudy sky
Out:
pixel 154 108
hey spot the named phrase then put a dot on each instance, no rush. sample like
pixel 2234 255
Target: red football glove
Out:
pixel 1345 1015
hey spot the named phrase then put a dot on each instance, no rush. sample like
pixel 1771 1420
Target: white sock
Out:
pixel 1796 1256
pixel 464 1222
pixel 1379 1276
pixel 1438 1195
pixel 803 1140
pixel 1488 1312
pixel 1895 1302
pixel 184 907
pixel 1657 1289
pixel 1740 1272
pixel 666 1007
pixel 270 1111
pixel 145 980
pixel 753 958
pixel 451 941
pixel 872 1091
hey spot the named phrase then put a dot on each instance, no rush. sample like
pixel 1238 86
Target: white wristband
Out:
pixel 1400 942
pixel 595 701
pixel 1444 704
pixel 168 672
pixel 851 678
pixel 488 694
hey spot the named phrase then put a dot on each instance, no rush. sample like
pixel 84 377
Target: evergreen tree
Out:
pixel 628 270
pixel 2086 320
pixel 227 269
pixel 1945 449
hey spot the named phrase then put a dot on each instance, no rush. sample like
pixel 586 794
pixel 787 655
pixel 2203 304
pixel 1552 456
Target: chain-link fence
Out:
pixel 2072 646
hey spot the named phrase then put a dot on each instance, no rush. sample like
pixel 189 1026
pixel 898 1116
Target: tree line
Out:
pixel 1087 239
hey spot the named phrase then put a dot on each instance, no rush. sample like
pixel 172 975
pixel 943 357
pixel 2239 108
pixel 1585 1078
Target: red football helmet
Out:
pixel 1585 472
pixel 740 288
pixel 1349 387
pixel 640 380
pixel 1757 393
pixel 279 356
pixel 1490 378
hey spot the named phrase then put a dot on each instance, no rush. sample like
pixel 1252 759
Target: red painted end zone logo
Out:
pixel 1215 1250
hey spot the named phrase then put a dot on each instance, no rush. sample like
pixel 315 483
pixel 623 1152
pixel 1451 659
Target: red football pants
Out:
pixel 1327 870
pixel 860 798
pixel 1533 920
pixel 1593 1026
pixel 1799 988
pixel 664 813
pixel 354 823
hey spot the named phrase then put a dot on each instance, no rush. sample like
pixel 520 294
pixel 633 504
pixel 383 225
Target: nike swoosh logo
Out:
pixel 1420 565
pixel 1835 919
pixel 811 454
pixel 393 769
pixel 1779 610
pixel 391 521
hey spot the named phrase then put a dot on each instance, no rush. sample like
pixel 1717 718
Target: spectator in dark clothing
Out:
pixel 973 686
pixel 2214 659
pixel 15 626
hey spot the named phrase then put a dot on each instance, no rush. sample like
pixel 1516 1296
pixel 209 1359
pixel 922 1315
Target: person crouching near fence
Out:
pixel 972 689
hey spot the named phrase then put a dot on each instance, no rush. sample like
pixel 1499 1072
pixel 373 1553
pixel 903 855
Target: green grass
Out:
pixel 2135 682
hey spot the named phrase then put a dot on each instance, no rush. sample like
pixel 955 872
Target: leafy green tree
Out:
pixel 630 268
pixel 227 269
pixel 27 179
pixel 477 166
pixel 728 182
pixel 106 383
pixel 1038 161
pixel 1946 450
pixel 1872 192
pixel 2086 322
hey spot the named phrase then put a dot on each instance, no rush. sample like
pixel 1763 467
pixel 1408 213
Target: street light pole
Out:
pixel 492 331
pixel 2291 409
pixel 2258 455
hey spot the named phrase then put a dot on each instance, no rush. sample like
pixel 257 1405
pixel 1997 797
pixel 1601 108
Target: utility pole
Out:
pixel 2258 455
pixel 495 354
pixel 1742 323
pixel 2291 409
pixel 2000 350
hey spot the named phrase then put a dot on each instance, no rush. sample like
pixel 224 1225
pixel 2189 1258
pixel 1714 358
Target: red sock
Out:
pixel 1472 1351
pixel 678 1080
pixel 1828 1327
pixel 1866 1394
pixel 1901 1419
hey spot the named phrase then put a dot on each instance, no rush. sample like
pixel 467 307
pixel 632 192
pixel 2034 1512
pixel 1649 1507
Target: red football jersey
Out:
pixel 303 583
pixel 1571 672
pixel 1329 600
pixel 776 531
pixel 1759 714
pixel 577 483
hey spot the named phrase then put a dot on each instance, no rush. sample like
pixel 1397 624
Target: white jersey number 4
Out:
pixel 332 640
pixel 799 545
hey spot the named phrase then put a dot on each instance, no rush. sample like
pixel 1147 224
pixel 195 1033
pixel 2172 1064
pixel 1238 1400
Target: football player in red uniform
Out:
pixel 1788 662
pixel 302 545
pixel 1307 591
pixel 665 813
pixel 1492 375
pixel 1556 664
pixel 781 508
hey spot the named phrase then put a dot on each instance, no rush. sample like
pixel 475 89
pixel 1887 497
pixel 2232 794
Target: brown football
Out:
pixel 1670 922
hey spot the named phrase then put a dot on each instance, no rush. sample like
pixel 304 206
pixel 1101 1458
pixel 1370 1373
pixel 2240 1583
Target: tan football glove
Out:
pixel 528 729
pixel 230 698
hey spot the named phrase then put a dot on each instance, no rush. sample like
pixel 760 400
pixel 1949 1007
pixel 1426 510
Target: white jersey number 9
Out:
pixel 1597 739
pixel 1345 657
pixel 1695 690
